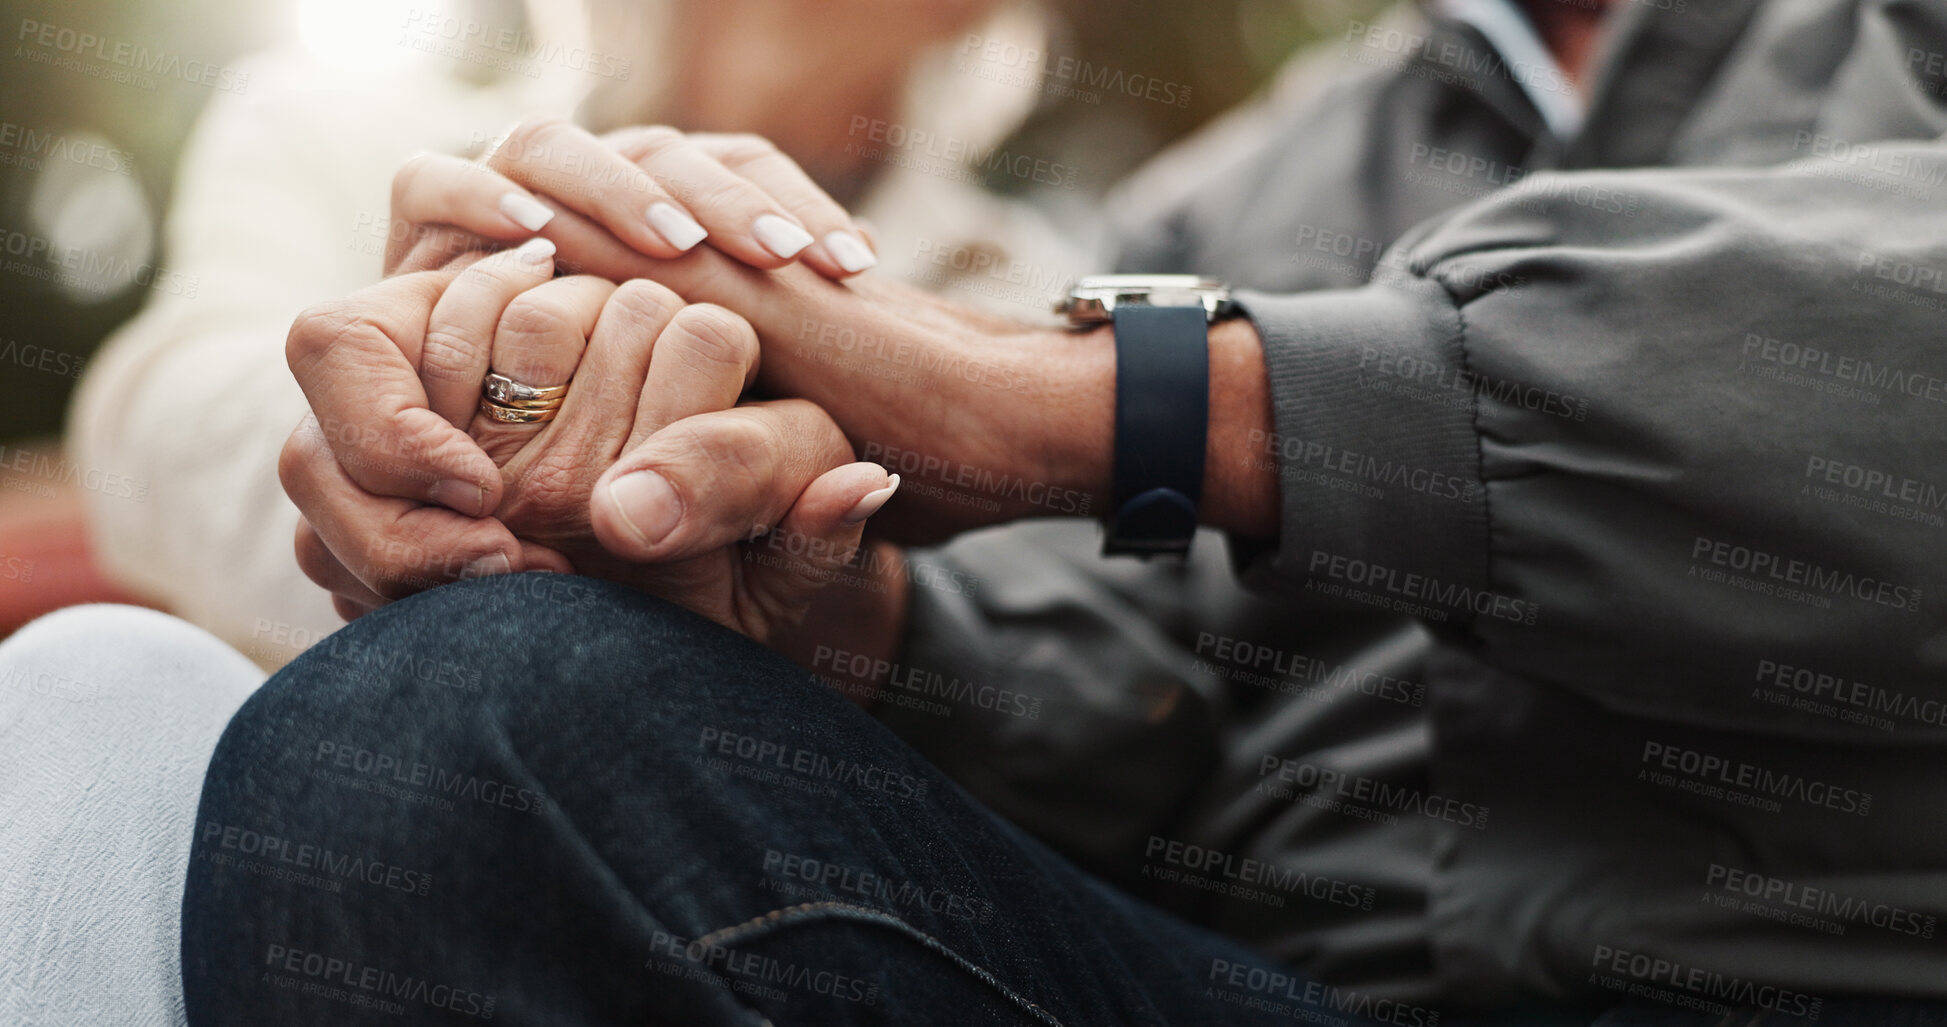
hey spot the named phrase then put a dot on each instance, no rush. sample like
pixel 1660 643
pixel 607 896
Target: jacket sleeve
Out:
pixel 1658 436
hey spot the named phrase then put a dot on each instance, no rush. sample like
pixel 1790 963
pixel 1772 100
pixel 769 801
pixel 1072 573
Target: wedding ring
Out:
pixel 510 393
pixel 513 402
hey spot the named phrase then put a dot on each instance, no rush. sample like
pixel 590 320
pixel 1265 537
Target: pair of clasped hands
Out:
pixel 683 288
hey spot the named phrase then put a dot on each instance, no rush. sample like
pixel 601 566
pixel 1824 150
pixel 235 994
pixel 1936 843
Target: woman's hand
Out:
pixel 653 473
pixel 654 189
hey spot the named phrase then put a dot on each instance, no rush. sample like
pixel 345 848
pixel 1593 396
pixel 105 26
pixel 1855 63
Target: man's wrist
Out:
pixel 1240 482
pixel 1076 386
pixel 1070 407
pixel 1018 423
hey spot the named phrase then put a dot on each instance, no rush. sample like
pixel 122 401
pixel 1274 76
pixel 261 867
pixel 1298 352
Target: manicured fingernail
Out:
pixel 535 251
pixel 647 504
pixel 487 566
pixel 463 496
pixel 780 236
pixel 526 211
pixel 872 502
pixel 677 228
pixel 850 251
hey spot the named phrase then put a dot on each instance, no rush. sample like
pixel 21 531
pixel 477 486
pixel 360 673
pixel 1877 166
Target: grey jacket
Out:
pixel 1603 645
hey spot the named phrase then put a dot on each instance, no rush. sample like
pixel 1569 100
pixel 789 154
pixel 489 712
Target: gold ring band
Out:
pixel 516 415
pixel 524 404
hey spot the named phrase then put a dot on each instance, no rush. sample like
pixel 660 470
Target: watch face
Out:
pixel 1094 300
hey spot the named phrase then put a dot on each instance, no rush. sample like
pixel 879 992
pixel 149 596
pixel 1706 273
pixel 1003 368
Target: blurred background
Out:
pixel 99 97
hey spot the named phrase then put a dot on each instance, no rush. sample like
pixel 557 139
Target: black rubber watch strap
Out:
pixel 1162 421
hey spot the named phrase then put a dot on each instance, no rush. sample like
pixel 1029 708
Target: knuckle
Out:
pixel 295 460
pixel 537 127
pixel 838 448
pixel 641 301
pixel 732 445
pixel 319 328
pixel 531 136
pixel 815 431
pixel 712 336
pixel 363 320
pixel 533 316
pixel 751 446
pixel 413 447
pixel 724 191
pixel 445 354
pixel 744 147
pixel 655 139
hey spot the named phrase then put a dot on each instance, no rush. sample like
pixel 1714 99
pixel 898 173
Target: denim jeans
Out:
pixel 542 799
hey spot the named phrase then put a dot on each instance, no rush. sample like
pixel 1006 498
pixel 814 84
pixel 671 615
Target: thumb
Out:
pixel 812 546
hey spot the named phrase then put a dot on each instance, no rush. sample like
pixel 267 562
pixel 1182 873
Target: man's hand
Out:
pixel 653 473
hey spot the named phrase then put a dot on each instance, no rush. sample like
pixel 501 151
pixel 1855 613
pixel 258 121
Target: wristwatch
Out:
pixel 1162 401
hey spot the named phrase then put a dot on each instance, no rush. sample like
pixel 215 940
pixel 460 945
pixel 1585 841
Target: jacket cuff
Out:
pixel 1376 451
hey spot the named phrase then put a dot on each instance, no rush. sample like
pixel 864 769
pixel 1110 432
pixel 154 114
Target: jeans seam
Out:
pixel 593 856
pixel 810 911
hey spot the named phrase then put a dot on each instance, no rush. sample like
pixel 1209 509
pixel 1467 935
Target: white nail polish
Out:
pixel 677 228
pixel 534 251
pixel 872 502
pixel 850 251
pixel 526 211
pixel 780 236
